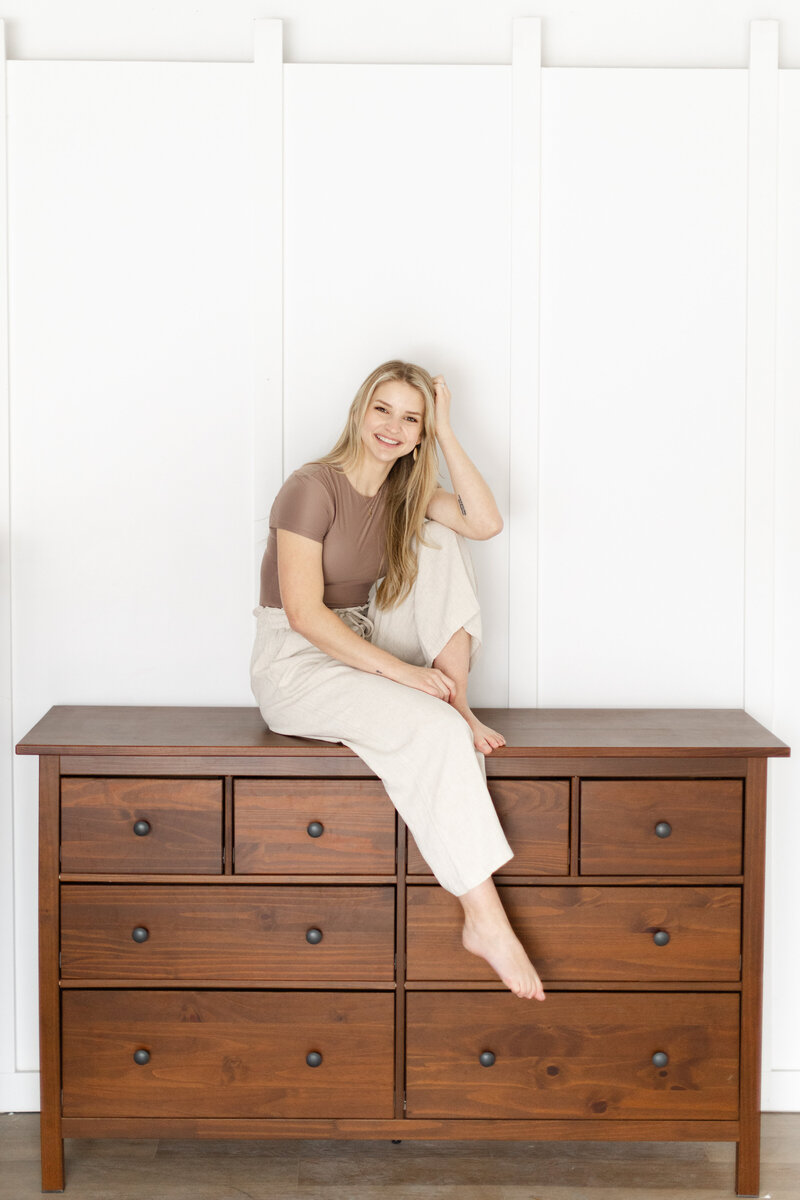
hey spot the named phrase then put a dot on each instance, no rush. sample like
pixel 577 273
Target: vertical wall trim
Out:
pixel 523 461
pixel 268 276
pixel 762 272
pixel 758 685
pixel 7 939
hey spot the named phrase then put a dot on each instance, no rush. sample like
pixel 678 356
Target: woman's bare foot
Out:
pixel 485 738
pixel 488 934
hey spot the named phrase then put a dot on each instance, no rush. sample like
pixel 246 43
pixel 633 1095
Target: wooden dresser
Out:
pixel 237 939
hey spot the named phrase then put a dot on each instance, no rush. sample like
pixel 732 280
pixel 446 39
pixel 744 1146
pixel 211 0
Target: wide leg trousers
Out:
pixel 418 745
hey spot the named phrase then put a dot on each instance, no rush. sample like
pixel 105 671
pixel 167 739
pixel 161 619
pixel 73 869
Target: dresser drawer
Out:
pixel 130 826
pixel 313 826
pixel 228 1054
pixel 661 827
pixel 534 814
pixel 227 932
pixel 574 1055
pixel 588 933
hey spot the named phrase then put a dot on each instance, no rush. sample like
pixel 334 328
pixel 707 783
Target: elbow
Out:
pixel 490 529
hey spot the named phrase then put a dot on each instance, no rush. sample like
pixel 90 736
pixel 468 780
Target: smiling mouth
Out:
pixel 386 441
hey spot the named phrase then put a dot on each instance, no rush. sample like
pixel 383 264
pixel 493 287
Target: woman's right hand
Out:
pixel 428 679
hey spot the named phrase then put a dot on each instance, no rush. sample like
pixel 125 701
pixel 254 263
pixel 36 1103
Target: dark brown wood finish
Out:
pixel 749 1145
pixel 529 733
pixel 534 814
pixel 584 1056
pixel 228 1054
pixel 179 823
pixel 245 933
pixel 318 826
pixel 588 934
pixel 226 964
pixel 700 820
pixel 49 1005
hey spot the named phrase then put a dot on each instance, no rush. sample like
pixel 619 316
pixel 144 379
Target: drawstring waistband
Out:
pixel 354 617
pixel 357 620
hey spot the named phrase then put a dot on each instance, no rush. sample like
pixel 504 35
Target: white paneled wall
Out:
pixel 205 261
pixel 397 246
pixel 644 238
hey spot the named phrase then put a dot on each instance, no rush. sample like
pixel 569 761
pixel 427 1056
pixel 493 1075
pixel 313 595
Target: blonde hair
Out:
pixel 409 485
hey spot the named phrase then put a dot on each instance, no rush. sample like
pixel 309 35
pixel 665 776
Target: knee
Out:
pixel 440 721
pixel 440 536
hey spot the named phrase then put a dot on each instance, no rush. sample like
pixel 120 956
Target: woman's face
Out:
pixel 392 424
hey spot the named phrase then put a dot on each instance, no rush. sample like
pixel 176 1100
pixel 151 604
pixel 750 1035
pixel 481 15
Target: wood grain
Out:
pixel 582 1056
pixel 234 932
pixel 228 1054
pixel 588 933
pixel 184 815
pixel 619 819
pixel 272 817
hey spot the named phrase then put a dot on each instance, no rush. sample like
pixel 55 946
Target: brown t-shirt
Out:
pixel 321 503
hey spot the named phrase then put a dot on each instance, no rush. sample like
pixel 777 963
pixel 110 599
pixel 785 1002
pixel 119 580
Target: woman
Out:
pixel 369 622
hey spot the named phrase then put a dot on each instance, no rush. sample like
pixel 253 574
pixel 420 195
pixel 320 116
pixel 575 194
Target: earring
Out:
pixel 415 454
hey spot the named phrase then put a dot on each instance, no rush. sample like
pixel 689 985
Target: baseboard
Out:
pixel 19 1091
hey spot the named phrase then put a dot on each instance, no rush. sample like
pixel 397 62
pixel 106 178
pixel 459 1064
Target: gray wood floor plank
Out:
pixel 334 1170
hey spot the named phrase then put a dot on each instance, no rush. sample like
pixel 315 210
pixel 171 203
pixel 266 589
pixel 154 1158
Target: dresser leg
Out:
pixel 748 1160
pixel 52 1157
pixel 49 999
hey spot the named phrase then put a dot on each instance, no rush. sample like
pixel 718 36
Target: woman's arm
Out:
pixel 471 511
pixel 302 587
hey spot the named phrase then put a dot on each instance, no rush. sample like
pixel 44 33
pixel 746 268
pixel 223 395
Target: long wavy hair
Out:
pixel 409 485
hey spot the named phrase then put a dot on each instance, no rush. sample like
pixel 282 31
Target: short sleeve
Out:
pixel 303 505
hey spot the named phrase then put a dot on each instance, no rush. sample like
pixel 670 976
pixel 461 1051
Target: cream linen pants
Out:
pixel 419 746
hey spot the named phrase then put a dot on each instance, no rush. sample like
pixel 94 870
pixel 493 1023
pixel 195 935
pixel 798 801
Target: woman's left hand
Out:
pixel 442 400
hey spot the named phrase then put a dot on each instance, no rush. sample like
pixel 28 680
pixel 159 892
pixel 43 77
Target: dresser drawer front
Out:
pixel 588 933
pixel 661 827
pixel 313 826
pixel 575 1055
pixel 227 932
pixel 534 814
pixel 228 1054
pixel 136 826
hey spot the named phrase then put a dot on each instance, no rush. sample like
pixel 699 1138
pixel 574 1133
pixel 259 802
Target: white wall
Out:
pixel 143 218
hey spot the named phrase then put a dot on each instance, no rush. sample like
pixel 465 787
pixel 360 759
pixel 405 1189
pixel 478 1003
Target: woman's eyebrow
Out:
pixel 409 411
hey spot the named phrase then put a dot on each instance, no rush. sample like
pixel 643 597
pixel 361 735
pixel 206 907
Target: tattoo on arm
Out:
pixel 461 506
pixel 378 672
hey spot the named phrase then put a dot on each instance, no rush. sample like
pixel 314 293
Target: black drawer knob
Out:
pixel 140 934
pixel 315 829
pixel 141 1057
pixel 487 1059
pixel 314 936
pixel 661 937
pixel 660 1059
pixel 663 829
pixel 314 1058
pixel 141 828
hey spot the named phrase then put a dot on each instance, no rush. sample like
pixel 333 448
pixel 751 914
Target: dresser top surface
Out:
pixel 532 732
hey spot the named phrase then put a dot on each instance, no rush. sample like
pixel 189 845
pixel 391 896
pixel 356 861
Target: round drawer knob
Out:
pixel 663 829
pixel 140 934
pixel 315 829
pixel 660 1059
pixel 661 937
pixel 314 936
pixel 314 1059
pixel 487 1059
pixel 141 1057
pixel 141 828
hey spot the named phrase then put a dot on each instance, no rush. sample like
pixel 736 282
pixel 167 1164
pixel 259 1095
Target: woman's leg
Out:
pixel 454 661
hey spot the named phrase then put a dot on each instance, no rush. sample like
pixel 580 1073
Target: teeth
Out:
pixel 386 440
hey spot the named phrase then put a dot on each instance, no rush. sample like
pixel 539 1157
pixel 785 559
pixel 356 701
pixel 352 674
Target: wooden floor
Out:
pixel 296 1170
